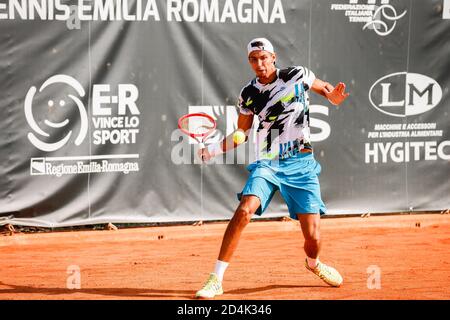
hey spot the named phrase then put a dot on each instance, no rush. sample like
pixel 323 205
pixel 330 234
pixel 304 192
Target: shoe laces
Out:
pixel 211 283
pixel 324 270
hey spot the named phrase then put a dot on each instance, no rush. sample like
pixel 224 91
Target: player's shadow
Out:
pixel 273 287
pixel 138 292
pixel 112 292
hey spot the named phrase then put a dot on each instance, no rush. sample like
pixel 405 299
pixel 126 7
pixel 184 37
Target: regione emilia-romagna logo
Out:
pixel 403 94
pixel 58 119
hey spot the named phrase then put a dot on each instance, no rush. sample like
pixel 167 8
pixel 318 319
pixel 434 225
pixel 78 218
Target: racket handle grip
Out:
pixel 201 145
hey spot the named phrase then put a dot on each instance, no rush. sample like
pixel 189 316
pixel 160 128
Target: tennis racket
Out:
pixel 198 126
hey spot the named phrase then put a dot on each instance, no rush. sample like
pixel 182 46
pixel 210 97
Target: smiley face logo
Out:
pixel 60 124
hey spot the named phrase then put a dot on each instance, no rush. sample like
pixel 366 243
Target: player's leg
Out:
pixel 310 225
pixel 244 212
pixel 305 204
pixel 254 198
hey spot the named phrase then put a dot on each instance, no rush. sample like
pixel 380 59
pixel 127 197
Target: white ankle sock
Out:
pixel 312 263
pixel 220 268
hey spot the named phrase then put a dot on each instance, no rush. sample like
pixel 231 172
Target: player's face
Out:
pixel 262 63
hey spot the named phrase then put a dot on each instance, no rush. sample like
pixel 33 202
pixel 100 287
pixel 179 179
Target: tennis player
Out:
pixel 284 157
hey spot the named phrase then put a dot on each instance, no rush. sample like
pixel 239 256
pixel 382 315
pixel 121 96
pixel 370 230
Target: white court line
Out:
pixel 95 157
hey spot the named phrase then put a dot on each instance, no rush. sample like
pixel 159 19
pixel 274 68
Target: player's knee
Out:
pixel 312 235
pixel 243 215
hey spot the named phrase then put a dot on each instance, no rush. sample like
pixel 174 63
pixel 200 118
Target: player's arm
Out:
pixel 336 95
pixel 244 124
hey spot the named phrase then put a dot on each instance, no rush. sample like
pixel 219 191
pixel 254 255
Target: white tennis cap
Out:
pixel 259 44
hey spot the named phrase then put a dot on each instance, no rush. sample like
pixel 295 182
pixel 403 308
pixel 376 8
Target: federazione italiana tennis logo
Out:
pixel 58 120
pixel 381 16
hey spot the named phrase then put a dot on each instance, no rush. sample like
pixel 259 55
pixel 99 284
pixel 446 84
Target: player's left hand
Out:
pixel 337 94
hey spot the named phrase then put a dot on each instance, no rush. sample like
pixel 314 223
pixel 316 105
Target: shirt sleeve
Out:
pixel 245 105
pixel 308 78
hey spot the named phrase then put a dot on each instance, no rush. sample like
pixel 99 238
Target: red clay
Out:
pixel 133 264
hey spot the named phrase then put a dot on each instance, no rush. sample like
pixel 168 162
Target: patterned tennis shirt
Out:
pixel 282 107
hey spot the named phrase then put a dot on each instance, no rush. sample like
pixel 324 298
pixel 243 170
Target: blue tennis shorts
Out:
pixel 297 179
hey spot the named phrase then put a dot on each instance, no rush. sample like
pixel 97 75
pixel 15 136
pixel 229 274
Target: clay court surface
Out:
pixel 173 262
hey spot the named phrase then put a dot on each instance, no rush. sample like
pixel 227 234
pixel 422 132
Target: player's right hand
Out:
pixel 204 154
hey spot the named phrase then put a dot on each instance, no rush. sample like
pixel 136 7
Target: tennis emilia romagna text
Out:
pixel 212 11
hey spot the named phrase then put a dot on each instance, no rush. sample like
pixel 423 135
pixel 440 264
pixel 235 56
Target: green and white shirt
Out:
pixel 282 108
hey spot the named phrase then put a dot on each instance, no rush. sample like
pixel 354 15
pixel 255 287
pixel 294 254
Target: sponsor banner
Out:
pixel 92 91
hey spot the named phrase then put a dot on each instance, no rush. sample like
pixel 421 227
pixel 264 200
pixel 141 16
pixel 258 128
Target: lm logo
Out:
pixel 403 94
